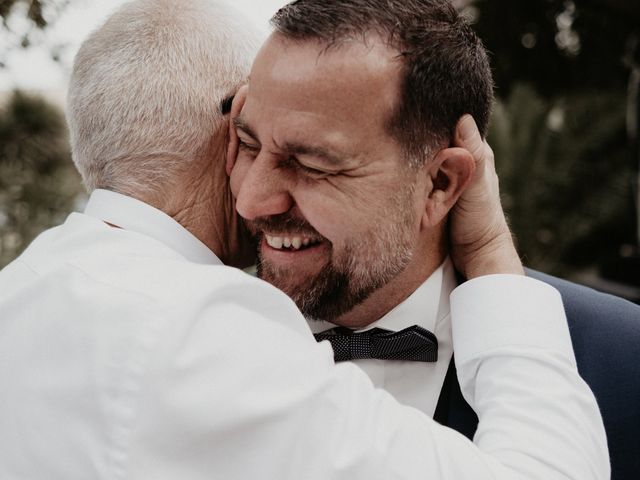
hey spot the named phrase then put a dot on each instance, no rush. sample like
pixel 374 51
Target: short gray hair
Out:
pixel 146 89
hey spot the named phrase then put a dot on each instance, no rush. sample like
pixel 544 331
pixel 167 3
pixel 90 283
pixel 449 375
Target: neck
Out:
pixel 201 201
pixel 426 259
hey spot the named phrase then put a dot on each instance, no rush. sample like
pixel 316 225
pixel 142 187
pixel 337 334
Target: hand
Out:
pixel 481 243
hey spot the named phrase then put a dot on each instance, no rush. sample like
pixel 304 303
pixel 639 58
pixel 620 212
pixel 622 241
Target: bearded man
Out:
pixel 130 351
pixel 347 173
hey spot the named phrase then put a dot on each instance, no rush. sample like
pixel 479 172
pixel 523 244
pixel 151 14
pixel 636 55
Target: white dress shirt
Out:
pixel 131 353
pixel 417 384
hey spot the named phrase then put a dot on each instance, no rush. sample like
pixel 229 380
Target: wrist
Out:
pixel 495 256
pixel 498 256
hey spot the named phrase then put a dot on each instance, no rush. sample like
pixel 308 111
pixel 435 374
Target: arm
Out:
pixel 481 244
pixel 243 391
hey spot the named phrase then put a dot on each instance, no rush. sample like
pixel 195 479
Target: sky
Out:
pixel 33 68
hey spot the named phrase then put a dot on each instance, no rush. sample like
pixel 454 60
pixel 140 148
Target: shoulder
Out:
pixel 591 312
pixel 605 331
pixel 116 274
pixel 187 292
pixel 121 273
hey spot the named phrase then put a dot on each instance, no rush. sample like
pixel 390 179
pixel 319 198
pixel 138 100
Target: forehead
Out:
pixel 355 85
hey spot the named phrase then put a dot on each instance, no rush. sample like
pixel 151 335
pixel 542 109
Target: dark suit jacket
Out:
pixel 605 331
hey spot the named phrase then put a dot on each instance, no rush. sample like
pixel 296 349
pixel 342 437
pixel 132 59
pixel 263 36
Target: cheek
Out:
pixel 336 216
pixel 326 213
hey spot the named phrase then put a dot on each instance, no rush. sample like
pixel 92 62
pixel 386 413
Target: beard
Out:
pixel 351 274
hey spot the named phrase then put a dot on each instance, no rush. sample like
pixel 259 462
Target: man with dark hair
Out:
pixel 355 50
pixel 346 172
pixel 130 351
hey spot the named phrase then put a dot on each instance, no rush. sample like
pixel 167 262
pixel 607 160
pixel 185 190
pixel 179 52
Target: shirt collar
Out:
pixel 425 307
pixel 134 215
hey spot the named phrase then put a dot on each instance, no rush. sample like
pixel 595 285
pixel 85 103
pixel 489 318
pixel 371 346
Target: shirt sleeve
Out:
pixel 517 370
pixel 244 391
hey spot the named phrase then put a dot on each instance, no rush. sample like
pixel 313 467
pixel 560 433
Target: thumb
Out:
pixel 468 136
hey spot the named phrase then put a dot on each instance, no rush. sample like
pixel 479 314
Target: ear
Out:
pixel 449 174
pixel 236 108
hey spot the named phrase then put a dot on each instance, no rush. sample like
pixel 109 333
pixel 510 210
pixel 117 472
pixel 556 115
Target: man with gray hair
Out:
pixel 144 111
pixel 130 351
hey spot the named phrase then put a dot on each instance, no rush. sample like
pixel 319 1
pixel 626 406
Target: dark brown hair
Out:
pixel 446 70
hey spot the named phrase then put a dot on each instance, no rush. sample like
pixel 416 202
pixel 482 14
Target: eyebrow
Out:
pixel 293 148
pixel 314 151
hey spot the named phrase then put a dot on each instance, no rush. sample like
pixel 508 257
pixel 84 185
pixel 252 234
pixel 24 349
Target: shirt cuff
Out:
pixel 502 311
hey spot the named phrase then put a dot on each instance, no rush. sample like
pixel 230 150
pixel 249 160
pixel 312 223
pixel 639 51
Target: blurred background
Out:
pixel 565 128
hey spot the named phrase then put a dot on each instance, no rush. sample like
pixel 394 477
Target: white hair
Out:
pixel 146 88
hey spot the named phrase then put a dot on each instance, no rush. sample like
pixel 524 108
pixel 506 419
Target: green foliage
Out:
pixel 558 45
pixel 565 173
pixel 38 182
pixel 566 162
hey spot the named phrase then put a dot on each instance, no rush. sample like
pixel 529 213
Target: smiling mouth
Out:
pixel 290 242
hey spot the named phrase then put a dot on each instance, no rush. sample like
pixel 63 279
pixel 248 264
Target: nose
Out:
pixel 264 190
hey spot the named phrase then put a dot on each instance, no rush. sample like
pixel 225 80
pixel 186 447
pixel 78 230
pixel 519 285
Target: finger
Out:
pixel 236 108
pixel 468 136
pixel 488 154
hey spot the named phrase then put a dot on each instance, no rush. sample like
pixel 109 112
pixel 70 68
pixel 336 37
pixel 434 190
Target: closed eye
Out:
pixel 252 149
pixel 309 171
pixel 312 171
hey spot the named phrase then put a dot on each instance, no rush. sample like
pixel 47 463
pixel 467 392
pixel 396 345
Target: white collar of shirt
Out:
pixel 416 384
pixel 136 216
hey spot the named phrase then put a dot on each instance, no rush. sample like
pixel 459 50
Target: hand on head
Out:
pixel 481 242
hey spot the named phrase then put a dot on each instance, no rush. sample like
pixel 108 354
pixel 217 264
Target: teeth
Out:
pixel 274 242
pixel 288 242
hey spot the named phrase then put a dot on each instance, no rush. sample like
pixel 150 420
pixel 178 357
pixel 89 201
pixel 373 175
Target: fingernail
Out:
pixel 468 128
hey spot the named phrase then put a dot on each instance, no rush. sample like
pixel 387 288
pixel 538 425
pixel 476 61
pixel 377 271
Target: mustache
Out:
pixel 283 223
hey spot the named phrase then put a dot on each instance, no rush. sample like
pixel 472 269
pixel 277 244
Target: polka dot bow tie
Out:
pixel 411 344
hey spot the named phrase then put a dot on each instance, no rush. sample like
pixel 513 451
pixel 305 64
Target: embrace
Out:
pixel 392 332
